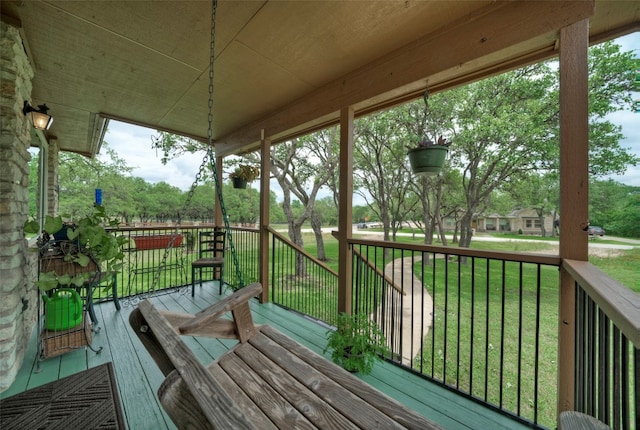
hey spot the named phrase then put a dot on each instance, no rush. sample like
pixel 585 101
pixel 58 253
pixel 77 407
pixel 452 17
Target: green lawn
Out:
pixel 482 321
pixel 624 268
pixel 508 326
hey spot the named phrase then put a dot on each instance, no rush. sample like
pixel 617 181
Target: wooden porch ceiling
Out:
pixel 283 66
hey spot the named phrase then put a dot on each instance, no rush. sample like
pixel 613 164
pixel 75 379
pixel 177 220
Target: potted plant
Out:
pixel 76 250
pixel 356 343
pixel 244 174
pixel 428 157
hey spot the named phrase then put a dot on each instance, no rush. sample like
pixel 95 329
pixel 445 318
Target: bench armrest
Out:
pixel 237 303
pixel 217 406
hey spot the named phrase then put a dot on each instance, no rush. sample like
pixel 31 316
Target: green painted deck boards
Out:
pixel 138 377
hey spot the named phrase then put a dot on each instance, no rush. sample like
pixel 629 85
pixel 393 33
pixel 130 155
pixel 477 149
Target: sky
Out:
pixel 133 143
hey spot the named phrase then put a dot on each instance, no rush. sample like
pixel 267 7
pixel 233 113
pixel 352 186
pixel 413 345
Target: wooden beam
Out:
pixel 345 204
pixel 218 205
pixel 265 201
pixel 574 187
pixel 497 27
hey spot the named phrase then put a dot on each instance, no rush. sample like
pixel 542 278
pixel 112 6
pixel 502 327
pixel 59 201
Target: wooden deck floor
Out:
pixel 138 377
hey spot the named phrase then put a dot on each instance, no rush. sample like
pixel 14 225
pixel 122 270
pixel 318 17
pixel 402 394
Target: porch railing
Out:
pixel 159 258
pixel 481 323
pixel 484 324
pixel 301 282
pixel 607 384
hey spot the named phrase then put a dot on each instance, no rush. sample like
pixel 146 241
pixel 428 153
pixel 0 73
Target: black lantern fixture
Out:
pixel 39 117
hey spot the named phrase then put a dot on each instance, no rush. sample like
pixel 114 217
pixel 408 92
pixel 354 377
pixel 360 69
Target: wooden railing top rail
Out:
pixel 301 250
pixel 181 227
pixel 159 227
pixel 525 257
pixel 618 302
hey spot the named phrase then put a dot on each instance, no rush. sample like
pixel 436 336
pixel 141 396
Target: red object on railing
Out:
pixel 157 241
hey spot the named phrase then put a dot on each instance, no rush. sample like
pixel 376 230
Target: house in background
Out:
pixel 525 220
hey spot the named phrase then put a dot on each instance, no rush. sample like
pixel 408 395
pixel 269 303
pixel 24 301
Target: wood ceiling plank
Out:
pixel 495 28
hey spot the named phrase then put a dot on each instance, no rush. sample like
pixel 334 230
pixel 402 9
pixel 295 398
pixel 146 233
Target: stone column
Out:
pixel 18 297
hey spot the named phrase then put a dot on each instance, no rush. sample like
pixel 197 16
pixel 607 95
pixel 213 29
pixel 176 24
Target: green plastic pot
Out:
pixel 63 310
pixel 239 183
pixel 427 161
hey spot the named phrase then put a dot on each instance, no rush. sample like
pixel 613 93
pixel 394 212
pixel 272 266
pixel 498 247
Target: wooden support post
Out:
pixel 265 176
pixel 574 198
pixel 345 222
pixel 218 213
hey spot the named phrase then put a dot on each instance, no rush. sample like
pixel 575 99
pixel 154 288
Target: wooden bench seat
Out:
pixel 265 381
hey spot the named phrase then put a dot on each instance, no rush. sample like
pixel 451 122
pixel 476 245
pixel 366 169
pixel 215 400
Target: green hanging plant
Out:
pixel 80 242
pixel 245 172
pixel 427 156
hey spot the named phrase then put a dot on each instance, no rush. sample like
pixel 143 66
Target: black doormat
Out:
pixel 86 400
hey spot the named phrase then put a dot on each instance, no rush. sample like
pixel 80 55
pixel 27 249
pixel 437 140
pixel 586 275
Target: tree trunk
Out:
pixel 465 233
pixel 316 225
pixel 295 233
pixel 437 215
pixel 543 230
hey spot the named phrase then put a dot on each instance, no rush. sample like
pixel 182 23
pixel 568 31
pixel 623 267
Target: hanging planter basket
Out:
pixel 239 183
pixel 427 161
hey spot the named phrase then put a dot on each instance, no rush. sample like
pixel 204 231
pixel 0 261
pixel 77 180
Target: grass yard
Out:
pixel 496 319
pixel 486 326
pixel 624 268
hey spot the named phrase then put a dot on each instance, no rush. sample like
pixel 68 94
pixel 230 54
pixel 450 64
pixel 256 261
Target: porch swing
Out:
pixel 300 386
pixel 219 240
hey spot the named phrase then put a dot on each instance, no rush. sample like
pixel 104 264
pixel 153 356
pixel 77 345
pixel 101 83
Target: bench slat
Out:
pixel 249 409
pixel 216 405
pixel 179 403
pixel 398 412
pixel 281 412
pixel 291 368
pixel 304 398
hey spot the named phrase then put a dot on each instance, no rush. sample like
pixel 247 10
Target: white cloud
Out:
pixel 133 144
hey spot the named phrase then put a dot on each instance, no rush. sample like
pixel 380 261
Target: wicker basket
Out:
pixel 56 263
pixel 56 342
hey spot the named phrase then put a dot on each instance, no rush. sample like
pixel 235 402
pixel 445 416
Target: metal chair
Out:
pixel 210 255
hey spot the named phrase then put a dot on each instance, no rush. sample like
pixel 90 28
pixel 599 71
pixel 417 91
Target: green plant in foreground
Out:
pixel 83 240
pixel 356 343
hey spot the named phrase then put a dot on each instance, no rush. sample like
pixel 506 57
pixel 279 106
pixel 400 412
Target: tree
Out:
pixel 173 145
pixel 625 220
pixel 294 167
pixel 381 172
pixel 79 176
pixel 506 127
pixel 615 207
pixel 165 202
pixel 539 192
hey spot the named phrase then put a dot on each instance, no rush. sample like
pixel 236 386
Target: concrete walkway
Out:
pixel 417 306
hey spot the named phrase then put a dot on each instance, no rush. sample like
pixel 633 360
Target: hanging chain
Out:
pixel 425 97
pixel 212 159
pixel 209 159
pixel 174 235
